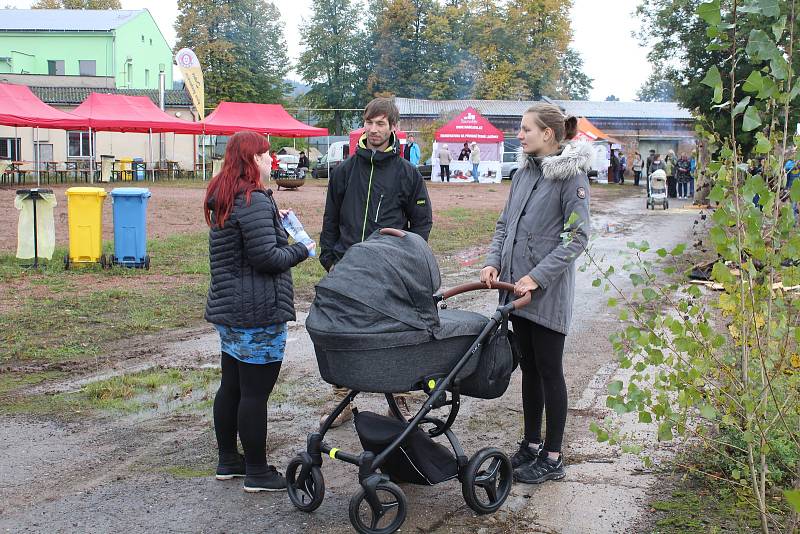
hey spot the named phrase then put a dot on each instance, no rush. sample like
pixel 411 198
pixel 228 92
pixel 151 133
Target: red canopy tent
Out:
pixel 355 135
pixel 20 107
pixel 131 114
pixel 136 114
pixel 271 119
pixel 467 127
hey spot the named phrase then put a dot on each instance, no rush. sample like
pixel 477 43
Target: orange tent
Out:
pixel 589 132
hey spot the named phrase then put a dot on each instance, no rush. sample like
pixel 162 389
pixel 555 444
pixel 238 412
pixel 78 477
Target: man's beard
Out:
pixel 381 143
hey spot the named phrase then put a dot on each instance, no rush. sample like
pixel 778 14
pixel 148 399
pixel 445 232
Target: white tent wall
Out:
pixel 489 168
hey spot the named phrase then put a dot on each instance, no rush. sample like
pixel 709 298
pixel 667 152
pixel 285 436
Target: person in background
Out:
pixel 475 159
pixel 250 300
pixel 637 167
pixel 275 165
pixel 623 166
pixel 412 153
pixel 683 172
pixel 464 154
pixel 649 162
pixel 444 162
pixel 614 167
pixel 669 168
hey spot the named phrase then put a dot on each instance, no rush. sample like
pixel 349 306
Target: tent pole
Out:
pixel 150 154
pixel 37 155
pixel 91 157
pixel 203 145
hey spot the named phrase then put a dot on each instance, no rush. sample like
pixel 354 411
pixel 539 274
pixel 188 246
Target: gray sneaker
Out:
pixel 542 470
pixel 525 454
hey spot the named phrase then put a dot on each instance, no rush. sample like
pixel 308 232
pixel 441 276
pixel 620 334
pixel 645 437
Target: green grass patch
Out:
pixel 459 228
pixel 15 380
pixel 129 393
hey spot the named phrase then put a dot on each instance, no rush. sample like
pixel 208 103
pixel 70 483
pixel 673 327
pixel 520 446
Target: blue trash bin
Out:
pixel 130 226
pixel 139 169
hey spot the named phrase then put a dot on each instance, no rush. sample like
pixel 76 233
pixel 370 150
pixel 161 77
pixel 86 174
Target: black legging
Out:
pixel 543 385
pixel 241 405
pixel 445 172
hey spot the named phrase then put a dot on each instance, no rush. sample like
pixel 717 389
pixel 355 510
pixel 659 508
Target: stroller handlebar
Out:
pixel 474 286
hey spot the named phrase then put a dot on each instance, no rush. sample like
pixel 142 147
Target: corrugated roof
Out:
pixel 65 19
pixel 624 110
pixel 515 108
pixel 76 95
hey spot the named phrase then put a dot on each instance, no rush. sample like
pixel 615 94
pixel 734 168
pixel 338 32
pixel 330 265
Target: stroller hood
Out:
pixel 389 280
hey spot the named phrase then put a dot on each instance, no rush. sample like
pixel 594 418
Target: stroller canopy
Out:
pixel 389 279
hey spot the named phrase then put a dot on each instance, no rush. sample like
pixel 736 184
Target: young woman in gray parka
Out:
pixel 529 251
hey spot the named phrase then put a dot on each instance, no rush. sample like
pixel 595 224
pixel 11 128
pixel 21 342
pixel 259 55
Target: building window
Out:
pixel 87 67
pixel 55 67
pixel 151 42
pixel 10 148
pixel 142 38
pixel 129 73
pixel 147 77
pixel 78 145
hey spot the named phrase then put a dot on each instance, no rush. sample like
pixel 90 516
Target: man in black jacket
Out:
pixel 376 188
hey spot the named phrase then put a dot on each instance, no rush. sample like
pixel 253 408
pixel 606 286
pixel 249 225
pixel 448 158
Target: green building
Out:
pixel 124 44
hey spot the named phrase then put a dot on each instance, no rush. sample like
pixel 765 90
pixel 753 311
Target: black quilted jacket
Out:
pixel 251 281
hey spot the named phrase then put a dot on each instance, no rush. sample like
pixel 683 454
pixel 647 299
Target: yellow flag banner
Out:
pixel 193 78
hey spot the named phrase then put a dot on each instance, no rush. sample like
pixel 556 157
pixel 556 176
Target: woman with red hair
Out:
pixel 250 300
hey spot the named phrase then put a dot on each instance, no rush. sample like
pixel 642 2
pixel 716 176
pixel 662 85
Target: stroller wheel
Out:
pixel 306 491
pixel 390 516
pixel 486 480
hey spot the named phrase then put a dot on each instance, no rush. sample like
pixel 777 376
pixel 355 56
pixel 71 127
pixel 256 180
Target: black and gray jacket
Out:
pixel 251 281
pixel 368 191
pixel 528 235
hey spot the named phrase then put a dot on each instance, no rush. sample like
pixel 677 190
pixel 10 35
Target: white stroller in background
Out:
pixel 657 190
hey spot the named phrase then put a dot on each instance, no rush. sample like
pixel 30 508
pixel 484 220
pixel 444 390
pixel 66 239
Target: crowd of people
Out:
pixel 250 297
pixel 680 170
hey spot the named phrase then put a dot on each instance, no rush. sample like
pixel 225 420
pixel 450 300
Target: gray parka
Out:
pixel 527 238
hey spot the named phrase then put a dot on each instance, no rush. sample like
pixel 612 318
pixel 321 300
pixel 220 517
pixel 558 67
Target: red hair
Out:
pixel 239 174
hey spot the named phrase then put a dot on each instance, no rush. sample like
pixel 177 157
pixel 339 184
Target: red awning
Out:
pixel 469 126
pixel 355 136
pixel 272 119
pixel 20 107
pixel 138 114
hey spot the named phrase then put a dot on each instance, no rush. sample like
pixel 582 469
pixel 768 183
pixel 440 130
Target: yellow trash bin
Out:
pixel 126 169
pixel 85 218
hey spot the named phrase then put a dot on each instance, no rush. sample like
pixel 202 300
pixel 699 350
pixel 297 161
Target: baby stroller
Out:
pixel 657 190
pixel 376 328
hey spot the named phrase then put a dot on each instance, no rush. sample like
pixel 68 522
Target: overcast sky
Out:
pixel 601 33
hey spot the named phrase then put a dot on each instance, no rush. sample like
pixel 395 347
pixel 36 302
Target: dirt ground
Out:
pixel 151 470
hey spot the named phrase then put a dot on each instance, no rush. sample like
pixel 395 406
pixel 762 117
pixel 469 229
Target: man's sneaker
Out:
pixel 346 415
pixel 269 481
pixel 230 466
pixel 526 454
pixel 542 470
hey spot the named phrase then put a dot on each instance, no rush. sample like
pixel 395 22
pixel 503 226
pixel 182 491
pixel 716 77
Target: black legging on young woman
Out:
pixel 241 405
pixel 543 385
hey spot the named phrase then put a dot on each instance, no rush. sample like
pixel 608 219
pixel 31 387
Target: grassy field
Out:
pixel 64 321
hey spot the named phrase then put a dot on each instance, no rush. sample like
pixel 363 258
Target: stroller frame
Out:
pixel 305 483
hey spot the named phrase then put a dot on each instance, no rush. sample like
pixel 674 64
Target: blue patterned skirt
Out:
pixel 264 344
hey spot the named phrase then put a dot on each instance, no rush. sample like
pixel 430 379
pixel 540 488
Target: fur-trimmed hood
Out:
pixel 575 158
